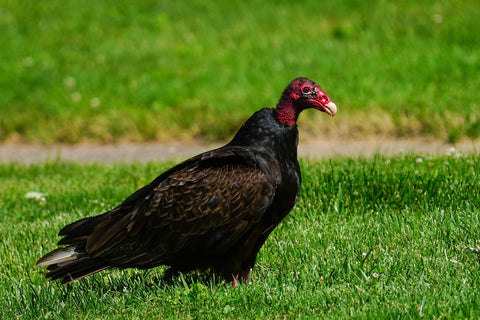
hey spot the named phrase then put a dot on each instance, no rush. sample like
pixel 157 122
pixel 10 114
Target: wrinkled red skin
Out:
pixel 301 94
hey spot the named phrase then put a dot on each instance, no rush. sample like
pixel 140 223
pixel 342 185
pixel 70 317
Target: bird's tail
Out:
pixel 70 264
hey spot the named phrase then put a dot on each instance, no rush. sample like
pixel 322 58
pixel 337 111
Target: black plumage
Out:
pixel 214 210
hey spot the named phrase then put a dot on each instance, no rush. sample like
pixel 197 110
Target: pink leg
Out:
pixel 235 281
pixel 246 275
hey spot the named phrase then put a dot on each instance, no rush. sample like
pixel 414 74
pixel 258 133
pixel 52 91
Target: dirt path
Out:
pixel 87 153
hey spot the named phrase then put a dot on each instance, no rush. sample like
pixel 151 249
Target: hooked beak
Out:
pixel 330 108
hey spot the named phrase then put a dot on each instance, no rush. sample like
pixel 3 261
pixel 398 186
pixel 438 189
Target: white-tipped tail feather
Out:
pixel 58 256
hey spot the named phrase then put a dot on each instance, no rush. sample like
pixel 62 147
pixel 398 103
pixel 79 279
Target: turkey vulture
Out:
pixel 213 211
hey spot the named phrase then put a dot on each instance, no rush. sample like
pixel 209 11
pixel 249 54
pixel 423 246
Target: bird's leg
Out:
pixel 246 274
pixel 235 281
pixel 171 273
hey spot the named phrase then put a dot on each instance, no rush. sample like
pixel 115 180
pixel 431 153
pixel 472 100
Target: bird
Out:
pixel 213 211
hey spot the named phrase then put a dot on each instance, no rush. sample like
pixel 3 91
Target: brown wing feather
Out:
pixel 191 209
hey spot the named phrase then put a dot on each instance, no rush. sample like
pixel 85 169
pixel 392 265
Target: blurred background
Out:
pixel 117 71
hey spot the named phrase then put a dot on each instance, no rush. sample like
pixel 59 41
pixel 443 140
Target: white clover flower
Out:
pixel 76 97
pixel 95 102
pixel 70 82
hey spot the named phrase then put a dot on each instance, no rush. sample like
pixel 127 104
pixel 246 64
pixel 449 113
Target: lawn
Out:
pixel 382 237
pixel 169 70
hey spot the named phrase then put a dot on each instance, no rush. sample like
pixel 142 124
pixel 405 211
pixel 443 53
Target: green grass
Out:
pixel 161 70
pixel 369 238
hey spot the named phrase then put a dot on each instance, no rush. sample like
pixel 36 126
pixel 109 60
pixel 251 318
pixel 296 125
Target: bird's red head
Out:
pixel 299 95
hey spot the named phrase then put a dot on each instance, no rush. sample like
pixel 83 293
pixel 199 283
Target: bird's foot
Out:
pixel 246 275
pixel 235 281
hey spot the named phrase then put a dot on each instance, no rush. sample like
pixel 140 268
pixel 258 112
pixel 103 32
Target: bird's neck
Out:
pixel 262 128
pixel 286 113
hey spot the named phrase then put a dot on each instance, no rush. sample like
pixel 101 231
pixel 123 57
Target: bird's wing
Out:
pixel 205 204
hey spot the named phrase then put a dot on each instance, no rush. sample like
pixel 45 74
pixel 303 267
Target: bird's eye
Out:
pixel 306 90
